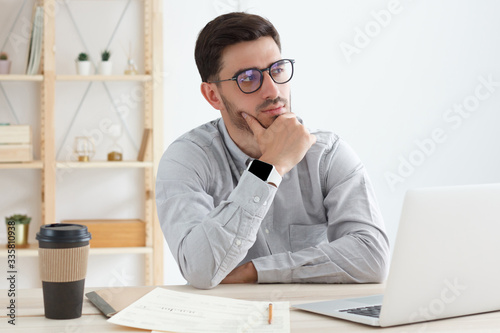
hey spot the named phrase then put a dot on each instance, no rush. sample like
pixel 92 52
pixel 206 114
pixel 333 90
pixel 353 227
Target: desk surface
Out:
pixel 30 318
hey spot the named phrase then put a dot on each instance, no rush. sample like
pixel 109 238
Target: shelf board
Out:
pixel 32 250
pixel 22 165
pixel 77 165
pixel 120 250
pixel 139 78
pixel 102 164
pixel 21 77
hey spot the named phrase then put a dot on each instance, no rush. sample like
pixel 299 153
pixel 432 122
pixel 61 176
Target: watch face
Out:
pixel 260 169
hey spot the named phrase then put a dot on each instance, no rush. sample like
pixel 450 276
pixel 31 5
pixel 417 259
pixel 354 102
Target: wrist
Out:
pixel 252 272
pixel 279 168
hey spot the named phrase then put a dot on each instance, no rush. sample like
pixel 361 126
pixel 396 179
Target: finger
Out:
pixel 253 123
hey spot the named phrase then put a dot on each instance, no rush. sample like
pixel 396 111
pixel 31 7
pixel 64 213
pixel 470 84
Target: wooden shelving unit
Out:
pixel 152 112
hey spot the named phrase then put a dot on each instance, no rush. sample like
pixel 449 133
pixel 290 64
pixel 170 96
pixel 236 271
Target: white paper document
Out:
pixel 172 311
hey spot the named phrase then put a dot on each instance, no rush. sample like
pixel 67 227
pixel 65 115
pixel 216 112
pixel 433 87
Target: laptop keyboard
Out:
pixel 370 311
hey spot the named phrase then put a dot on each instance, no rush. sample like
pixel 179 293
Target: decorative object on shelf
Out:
pixel 115 156
pixel 83 64
pixel 131 68
pixel 146 135
pixel 116 152
pixel 15 143
pixel 17 229
pixel 84 148
pixel 4 63
pixel 106 66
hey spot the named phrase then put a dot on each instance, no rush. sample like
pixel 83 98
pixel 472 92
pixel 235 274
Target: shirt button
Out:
pixel 267 231
pixel 238 242
pixel 256 199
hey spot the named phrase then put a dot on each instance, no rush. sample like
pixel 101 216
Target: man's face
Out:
pixel 267 103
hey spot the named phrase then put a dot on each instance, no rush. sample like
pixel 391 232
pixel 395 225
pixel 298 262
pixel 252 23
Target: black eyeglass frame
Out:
pixel 268 69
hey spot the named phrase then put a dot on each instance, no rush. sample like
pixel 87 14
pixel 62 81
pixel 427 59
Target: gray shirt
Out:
pixel 321 225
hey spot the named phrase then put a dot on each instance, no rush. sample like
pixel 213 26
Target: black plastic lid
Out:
pixel 63 233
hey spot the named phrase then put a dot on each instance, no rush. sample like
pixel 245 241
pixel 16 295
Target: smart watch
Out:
pixel 265 171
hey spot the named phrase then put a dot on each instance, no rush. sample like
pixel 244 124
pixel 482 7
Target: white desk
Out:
pixel 30 318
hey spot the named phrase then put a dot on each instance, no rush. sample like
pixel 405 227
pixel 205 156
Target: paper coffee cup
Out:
pixel 63 252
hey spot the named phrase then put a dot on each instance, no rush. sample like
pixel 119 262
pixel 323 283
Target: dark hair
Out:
pixel 226 30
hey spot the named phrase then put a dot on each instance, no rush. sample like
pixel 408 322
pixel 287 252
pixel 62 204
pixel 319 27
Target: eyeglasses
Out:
pixel 250 80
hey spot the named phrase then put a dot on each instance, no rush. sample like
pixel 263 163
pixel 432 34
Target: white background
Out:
pixel 416 62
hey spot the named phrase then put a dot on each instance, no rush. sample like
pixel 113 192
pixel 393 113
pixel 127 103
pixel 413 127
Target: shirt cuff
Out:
pixel 274 269
pixel 253 195
pixel 306 265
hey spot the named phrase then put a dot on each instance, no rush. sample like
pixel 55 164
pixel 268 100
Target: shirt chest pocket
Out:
pixel 306 235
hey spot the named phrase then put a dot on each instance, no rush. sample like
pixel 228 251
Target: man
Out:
pixel 254 196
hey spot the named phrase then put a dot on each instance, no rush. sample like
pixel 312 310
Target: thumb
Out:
pixel 253 123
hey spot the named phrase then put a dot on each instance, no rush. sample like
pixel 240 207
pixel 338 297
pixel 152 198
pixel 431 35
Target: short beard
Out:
pixel 238 120
pixel 235 116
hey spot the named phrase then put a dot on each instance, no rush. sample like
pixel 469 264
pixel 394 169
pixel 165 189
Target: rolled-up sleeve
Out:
pixel 207 238
pixel 356 248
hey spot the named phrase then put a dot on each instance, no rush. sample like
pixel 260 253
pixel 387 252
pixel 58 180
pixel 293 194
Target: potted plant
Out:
pixel 106 65
pixel 83 64
pixel 4 63
pixel 17 229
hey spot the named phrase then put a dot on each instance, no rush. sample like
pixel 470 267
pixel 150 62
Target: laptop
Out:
pixel 445 261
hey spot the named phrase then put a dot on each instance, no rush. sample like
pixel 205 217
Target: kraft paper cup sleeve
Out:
pixel 63 265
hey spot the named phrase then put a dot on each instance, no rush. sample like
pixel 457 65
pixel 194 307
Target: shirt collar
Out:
pixel 240 159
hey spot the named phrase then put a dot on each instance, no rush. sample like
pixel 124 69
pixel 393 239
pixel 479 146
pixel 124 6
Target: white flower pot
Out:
pixel 5 66
pixel 105 67
pixel 83 67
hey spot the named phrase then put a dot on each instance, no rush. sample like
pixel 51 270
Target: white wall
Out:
pixel 388 76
